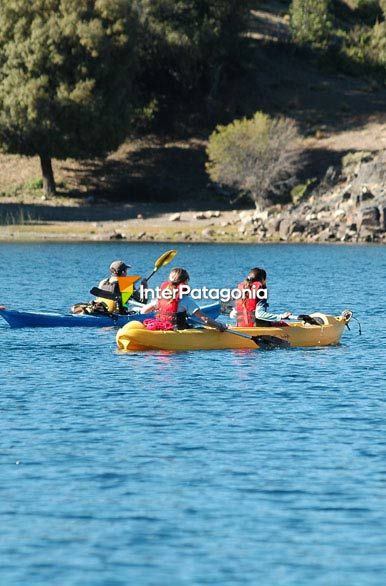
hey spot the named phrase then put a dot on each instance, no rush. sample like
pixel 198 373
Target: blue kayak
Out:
pixel 39 319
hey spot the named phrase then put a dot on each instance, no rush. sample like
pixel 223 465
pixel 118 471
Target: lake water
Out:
pixel 201 468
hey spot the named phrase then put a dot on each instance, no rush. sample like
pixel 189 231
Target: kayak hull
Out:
pixel 34 319
pixel 134 337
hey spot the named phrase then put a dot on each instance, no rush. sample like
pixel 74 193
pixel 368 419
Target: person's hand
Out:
pixel 221 327
pixel 144 283
pixel 286 315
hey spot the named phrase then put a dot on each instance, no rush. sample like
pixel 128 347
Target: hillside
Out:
pixel 164 172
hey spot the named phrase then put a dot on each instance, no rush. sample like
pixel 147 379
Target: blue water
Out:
pixel 201 468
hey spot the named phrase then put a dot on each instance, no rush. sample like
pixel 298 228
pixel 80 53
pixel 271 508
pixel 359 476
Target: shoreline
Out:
pixel 314 221
pixel 22 237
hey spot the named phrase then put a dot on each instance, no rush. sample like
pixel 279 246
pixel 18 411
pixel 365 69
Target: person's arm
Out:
pixel 193 310
pixel 233 313
pixel 208 321
pixel 136 296
pixel 149 307
pixel 137 292
pixel 260 313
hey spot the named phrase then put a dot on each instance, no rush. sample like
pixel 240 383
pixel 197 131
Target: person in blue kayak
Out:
pixel 174 306
pixel 251 310
pixel 118 268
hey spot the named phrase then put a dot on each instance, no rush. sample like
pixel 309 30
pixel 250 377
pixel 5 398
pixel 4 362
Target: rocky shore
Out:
pixel 349 205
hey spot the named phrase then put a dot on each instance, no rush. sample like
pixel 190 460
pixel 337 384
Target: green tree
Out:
pixel 186 43
pixel 311 23
pixel 66 71
pixel 257 157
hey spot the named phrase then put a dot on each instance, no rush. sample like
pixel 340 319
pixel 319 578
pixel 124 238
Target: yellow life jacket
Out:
pixel 112 305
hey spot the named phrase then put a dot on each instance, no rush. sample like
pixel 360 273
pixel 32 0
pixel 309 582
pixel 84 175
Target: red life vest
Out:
pixel 167 308
pixel 246 306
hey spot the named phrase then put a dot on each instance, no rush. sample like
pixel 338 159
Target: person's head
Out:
pixel 257 274
pixel 119 268
pixel 178 276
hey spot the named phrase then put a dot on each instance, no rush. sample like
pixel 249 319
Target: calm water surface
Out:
pixel 223 468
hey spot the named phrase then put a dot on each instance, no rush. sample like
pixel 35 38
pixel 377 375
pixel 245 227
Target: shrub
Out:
pixel 367 8
pixel 364 50
pixel 35 184
pixel 378 44
pixel 302 189
pixel 311 23
pixel 256 157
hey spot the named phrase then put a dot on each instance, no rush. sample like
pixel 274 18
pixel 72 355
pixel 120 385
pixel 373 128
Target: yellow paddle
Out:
pixel 163 260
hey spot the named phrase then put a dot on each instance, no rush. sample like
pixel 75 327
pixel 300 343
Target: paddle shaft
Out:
pixel 262 341
pixel 246 336
pixel 105 294
pixel 151 274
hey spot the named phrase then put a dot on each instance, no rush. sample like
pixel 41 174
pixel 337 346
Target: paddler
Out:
pixel 251 308
pixel 118 268
pixel 175 305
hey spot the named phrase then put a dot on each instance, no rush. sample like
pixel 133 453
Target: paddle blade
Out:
pixel 270 342
pixel 164 259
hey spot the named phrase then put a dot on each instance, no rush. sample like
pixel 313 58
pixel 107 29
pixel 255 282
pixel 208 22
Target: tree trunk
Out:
pixel 211 99
pixel 49 185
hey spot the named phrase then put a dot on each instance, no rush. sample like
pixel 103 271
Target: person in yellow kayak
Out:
pixel 118 268
pixel 174 306
pixel 251 310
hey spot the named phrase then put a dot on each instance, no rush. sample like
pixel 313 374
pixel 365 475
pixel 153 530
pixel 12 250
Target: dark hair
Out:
pixel 256 274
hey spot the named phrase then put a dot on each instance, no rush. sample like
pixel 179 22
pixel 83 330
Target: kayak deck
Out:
pixel 32 319
pixel 40 319
pixel 135 337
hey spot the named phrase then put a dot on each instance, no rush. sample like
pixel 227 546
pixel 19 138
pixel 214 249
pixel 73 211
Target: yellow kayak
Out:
pixel 135 337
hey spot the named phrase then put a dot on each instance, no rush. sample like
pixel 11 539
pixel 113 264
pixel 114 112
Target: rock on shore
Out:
pixel 349 205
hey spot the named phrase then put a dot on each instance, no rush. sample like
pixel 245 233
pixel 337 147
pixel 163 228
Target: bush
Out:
pixel 378 44
pixel 369 8
pixel 302 189
pixel 364 50
pixel 35 184
pixel 311 23
pixel 256 157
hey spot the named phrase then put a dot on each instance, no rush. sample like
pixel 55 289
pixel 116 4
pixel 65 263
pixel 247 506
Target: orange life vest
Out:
pixel 246 306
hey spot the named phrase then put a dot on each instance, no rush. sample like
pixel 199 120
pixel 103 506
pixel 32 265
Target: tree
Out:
pixel 186 42
pixel 311 23
pixel 256 157
pixel 66 71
